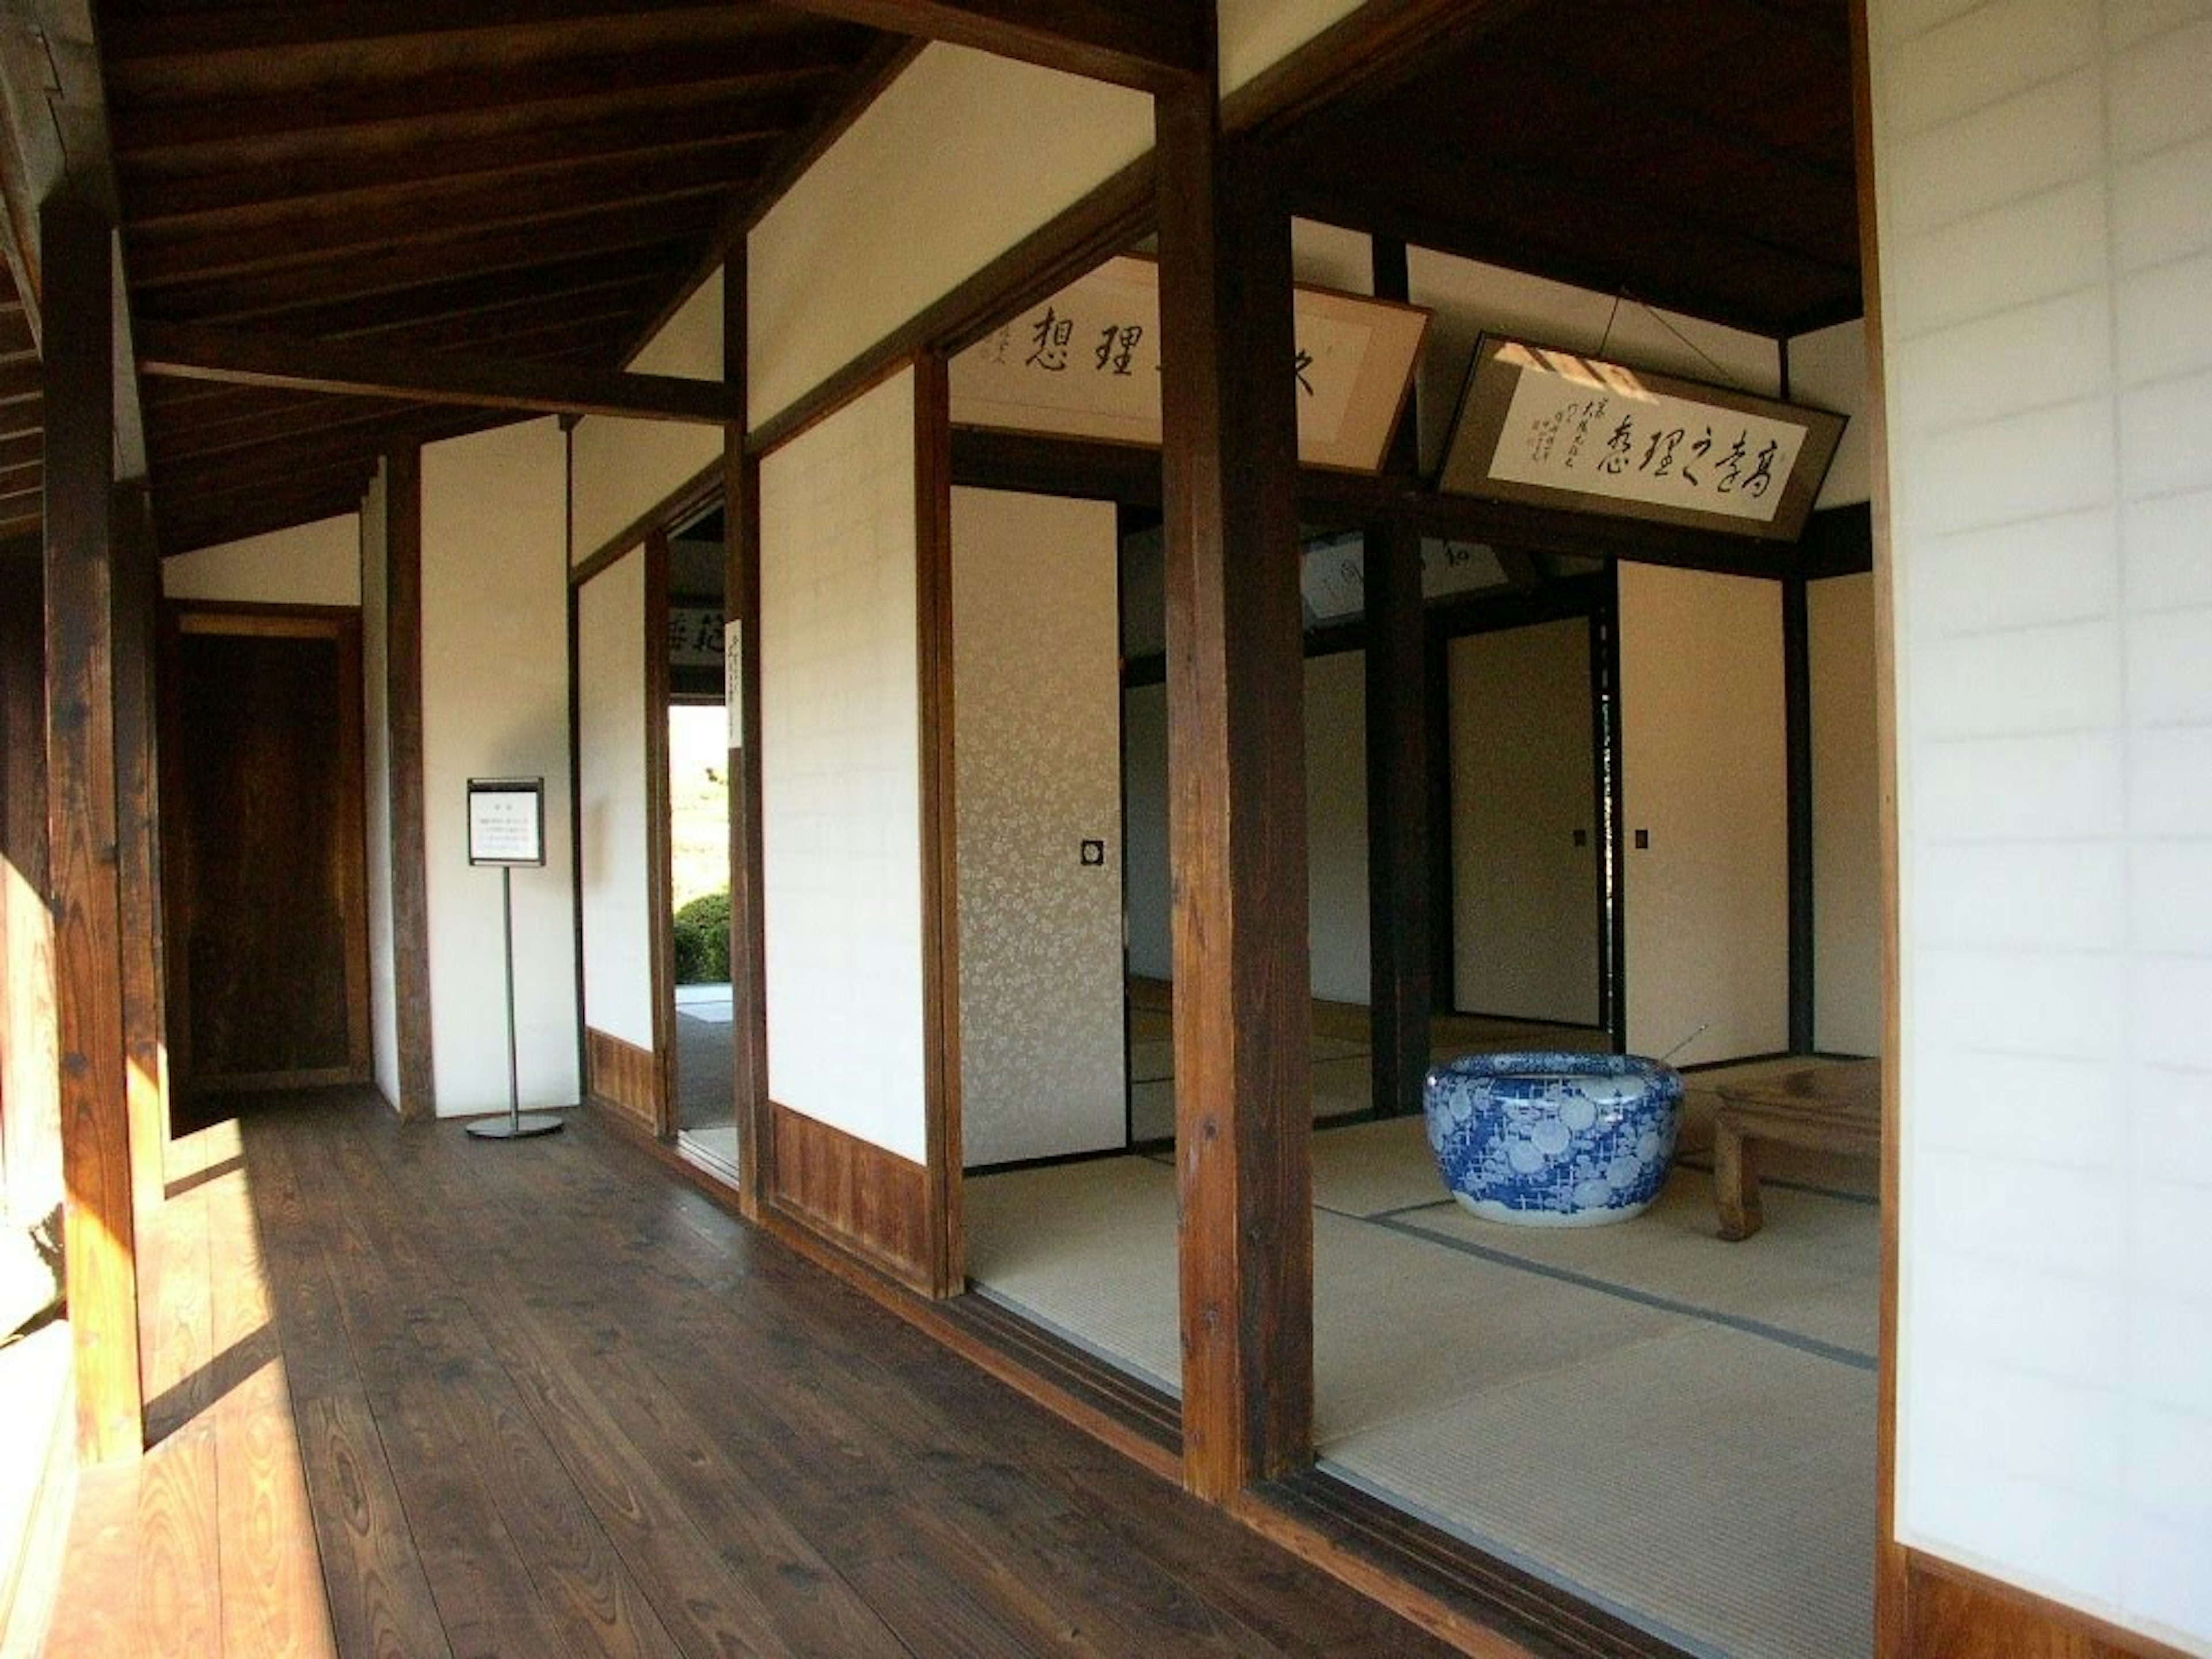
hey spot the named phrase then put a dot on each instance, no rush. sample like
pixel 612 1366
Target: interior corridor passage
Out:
pixel 420 1394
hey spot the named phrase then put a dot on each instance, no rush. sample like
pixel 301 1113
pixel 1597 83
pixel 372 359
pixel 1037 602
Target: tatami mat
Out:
pixel 1677 1427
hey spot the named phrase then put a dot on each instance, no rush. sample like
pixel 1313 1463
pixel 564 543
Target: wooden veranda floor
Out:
pixel 418 1394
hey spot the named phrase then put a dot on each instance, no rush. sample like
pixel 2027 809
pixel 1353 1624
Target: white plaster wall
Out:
pixel 1336 826
pixel 1525 919
pixel 614 848
pixel 841 773
pixel 317 563
pixel 495 704
pixel 1328 256
pixel 1829 371
pixel 376 759
pixel 1256 34
pixel 1037 683
pixel 2044 193
pixel 960 158
pixel 1149 885
pixel 1847 890
pixel 623 469
pixel 1470 299
pixel 1707 904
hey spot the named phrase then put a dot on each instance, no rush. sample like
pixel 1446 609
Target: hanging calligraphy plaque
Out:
pixel 1556 429
pixel 1087 364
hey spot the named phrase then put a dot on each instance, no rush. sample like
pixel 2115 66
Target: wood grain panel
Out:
pixel 870 1201
pixel 30 1111
pixel 741 596
pixel 410 868
pixel 622 1075
pixel 1958 1615
pixel 138 829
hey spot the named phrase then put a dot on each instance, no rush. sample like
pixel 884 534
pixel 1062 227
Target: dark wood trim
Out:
pixel 862 1200
pixel 1798 766
pixel 100 1234
pixel 1400 905
pixel 137 580
pixel 1959 1613
pixel 362 368
pixel 1444 927
pixel 1235 685
pixel 1892 1598
pixel 741 603
pixel 1839 541
pixel 410 866
pixel 659 831
pixel 573 612
pixel 688 498
pixel 623 1077
pixel 1150 47
pixel 1108 221
pixel 940 838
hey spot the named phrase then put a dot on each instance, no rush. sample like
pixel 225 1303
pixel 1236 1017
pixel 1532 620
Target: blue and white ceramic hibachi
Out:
pixel 1554 1140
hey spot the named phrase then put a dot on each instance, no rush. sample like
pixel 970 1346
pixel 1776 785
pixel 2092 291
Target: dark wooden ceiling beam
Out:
pixel 140 34
pixel 500 260
pixel 356 369
pixel 160 190
pixel 1153 47
pixel 584 89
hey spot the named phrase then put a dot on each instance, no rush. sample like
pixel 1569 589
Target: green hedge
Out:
pixel 703 941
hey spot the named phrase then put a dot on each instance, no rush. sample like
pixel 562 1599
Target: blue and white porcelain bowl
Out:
pixel 1554 1140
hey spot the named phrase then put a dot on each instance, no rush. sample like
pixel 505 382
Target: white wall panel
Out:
pixel 623 469
pixel 1336 827
pixel 1256 34
pixel 1847 889
pixel 317 563
pixel 841 773
pixel 1828 370
pixel 614 848
pixel 2044 193
pixel 1525 920
pixel 1707 903
pixel 1036 689
pixel 495 704
pixel 376 799
pixel 959 159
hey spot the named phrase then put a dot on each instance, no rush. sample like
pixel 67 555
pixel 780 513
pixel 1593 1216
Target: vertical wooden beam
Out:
pixel 659 828
pixel 1797 768
pixel 101 1235
pixel 1399 902
pixel 940 841
pixel 137 580
pixel 1237 828
pixel 741 601
pixel 410 868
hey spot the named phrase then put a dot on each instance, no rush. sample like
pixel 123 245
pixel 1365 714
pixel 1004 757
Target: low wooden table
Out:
pixel 1830 1109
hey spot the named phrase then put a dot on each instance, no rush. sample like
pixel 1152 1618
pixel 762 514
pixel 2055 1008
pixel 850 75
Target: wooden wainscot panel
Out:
pixel 625 1077
pixel 871 1203
pixel 1959 1615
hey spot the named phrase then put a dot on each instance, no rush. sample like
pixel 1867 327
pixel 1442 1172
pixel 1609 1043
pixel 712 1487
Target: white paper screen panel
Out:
pixel 1707 902
pixel 2044 188
pixel 841 772
pixel 614 848
pixel 1037 685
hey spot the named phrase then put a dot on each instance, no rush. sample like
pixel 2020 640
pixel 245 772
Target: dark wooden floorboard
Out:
pixel 543 1398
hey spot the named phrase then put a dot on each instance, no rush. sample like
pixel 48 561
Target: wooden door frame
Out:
pixel 340 626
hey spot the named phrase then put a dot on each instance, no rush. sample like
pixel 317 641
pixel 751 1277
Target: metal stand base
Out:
pixel 516 1127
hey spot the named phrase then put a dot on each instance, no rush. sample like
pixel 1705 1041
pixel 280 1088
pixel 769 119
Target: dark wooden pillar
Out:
pixel 101 1235
pixel 741 599
pixel 1797 720
pixel 138 584
pixel 1398 892
pixel 1237 828
pixel 410 868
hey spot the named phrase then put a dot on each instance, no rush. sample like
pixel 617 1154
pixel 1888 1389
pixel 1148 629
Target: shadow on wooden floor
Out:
pixel 421 1394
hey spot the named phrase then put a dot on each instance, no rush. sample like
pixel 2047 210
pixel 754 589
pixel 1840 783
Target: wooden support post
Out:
pixel 100 1234
pixel 137 582
pixel 410 868
pixel 1398 895
pixel 741 597
pixel 1237 828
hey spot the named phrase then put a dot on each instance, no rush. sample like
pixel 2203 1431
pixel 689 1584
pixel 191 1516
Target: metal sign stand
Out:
pixel 507 827
pixel 518 1124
